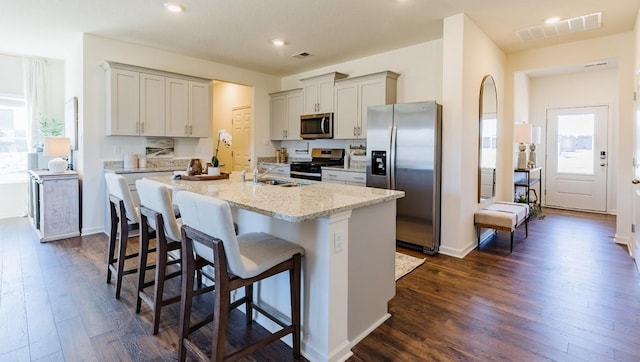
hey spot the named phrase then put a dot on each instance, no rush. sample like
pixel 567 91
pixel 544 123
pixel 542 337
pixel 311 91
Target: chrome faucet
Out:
pixel 256 171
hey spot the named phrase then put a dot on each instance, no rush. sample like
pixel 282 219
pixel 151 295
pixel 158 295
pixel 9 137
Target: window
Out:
pixel 13 136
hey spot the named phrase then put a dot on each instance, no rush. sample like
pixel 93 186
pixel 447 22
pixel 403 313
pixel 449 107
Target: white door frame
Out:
pixel 601 175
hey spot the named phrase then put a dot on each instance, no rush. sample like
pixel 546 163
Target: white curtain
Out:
pixel 34 70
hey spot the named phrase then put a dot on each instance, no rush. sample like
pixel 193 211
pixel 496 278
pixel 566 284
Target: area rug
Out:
pixel 405 264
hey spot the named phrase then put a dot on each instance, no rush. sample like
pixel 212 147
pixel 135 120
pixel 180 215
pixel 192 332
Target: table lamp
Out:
pixel 536 139
pixel 523 136
pixel 57 147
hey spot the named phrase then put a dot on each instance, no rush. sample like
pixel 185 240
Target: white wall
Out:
pixel 97 147
pixel 469 55
pixel 619 47
pixel 578 89
pixel 419 66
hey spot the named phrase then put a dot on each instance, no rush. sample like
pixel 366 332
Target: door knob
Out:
pixel 602 164
pixel 635 181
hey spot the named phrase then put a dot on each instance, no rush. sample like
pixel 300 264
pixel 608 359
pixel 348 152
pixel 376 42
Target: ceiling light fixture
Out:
pixel 278 42
pixel 174 8
pixel 552 20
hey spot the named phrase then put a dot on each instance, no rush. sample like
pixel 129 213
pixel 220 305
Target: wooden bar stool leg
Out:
pixel 112 240
pixel 122 254
pixel 188 266
pixel 220 317
pixel 142 260
pixel 248 292
pixel 158 290
pixel 295 284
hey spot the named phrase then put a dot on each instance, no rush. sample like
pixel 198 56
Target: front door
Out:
pixel 577 158
pixel 241 118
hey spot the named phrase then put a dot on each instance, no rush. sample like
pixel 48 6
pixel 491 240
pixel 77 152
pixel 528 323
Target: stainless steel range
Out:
pixel 312 170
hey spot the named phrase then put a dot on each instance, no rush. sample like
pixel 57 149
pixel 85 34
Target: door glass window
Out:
pixel 576 143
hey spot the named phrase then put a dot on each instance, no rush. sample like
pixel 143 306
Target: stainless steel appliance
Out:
pixel 314 126
pixel 403 153
pixel 312 170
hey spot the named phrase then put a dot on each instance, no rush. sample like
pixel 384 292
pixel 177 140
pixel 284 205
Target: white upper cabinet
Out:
pixel 152 100
pixel 318 93
pixel 286 107
pixel 123 100
pixel 176 107
pixel 187 108
pixel 148 102
pixel 199 109
pixel 354 95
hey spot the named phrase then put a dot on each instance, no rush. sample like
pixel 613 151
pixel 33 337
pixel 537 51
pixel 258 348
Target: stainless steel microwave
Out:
pixel 314 126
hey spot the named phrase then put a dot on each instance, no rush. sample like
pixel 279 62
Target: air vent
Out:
pixel 302 55
pixel 573 25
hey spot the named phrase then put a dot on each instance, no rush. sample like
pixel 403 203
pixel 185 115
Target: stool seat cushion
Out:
pixel 248 254
pixel 505 215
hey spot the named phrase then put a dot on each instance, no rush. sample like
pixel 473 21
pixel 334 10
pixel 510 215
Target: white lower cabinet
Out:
pixel 344 177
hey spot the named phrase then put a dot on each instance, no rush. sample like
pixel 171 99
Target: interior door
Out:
pixel 577 154
pixel 241 119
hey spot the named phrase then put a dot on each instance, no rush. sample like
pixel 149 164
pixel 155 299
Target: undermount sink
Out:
pixel 274 182
pixel 281 183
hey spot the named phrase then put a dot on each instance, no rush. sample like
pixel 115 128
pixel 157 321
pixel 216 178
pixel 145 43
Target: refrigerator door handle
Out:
pixel 392 158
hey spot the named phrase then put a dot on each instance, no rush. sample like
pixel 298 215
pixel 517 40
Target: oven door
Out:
pixel 314 126
pixel 306 171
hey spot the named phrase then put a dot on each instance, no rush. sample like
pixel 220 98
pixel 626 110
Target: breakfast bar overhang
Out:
pixel 348 233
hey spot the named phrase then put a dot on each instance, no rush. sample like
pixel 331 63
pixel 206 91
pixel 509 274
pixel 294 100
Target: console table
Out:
pixel 528 179
pixel 54 207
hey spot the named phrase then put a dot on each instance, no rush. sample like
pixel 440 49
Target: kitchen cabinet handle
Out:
pixel 358 178
pixel 354 131
pixel 141 127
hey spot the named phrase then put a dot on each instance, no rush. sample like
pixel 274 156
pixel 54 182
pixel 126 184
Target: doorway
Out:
pixel 576 167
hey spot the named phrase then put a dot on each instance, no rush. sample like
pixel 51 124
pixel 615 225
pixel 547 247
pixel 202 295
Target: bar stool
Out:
pixel 124 217
pixel 238 262
pixel 157 213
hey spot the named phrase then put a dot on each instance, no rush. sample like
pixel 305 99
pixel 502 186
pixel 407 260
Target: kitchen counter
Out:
pixel 293 204
pixel 345 230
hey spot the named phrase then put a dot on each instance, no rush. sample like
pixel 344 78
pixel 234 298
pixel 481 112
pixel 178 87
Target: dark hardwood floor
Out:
pixel 567 293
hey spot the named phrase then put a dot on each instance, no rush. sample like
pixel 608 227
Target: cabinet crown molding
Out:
pixel 334 75
pixel 386 73
pixel 108 64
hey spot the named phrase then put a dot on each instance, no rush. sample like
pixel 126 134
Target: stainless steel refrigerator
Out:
pixel 404 153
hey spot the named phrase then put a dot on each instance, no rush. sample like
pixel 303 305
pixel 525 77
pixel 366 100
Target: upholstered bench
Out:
pixel 506 216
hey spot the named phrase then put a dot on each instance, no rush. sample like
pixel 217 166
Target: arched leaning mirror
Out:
pixel 487 139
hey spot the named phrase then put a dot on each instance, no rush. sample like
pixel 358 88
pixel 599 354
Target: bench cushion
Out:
pixel 503 215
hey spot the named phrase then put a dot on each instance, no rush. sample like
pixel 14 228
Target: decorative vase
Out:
pixel 213 171
pixel 195 167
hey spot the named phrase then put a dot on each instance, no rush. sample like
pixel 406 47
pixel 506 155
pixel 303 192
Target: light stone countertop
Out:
pixel 293 204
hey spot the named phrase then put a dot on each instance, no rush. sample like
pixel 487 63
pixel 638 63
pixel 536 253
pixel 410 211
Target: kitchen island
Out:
pixel 348 233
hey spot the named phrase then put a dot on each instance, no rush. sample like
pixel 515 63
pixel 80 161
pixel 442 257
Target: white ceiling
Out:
pixel 239 32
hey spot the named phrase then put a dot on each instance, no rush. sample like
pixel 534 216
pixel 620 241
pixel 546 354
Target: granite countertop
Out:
pixel 294 204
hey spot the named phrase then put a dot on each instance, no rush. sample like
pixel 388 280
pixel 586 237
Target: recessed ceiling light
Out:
pixel 278 42
pixel 174 8
pixel 552 20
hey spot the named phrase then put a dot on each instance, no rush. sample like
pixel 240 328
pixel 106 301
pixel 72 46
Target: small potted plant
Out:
pixel 225 138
